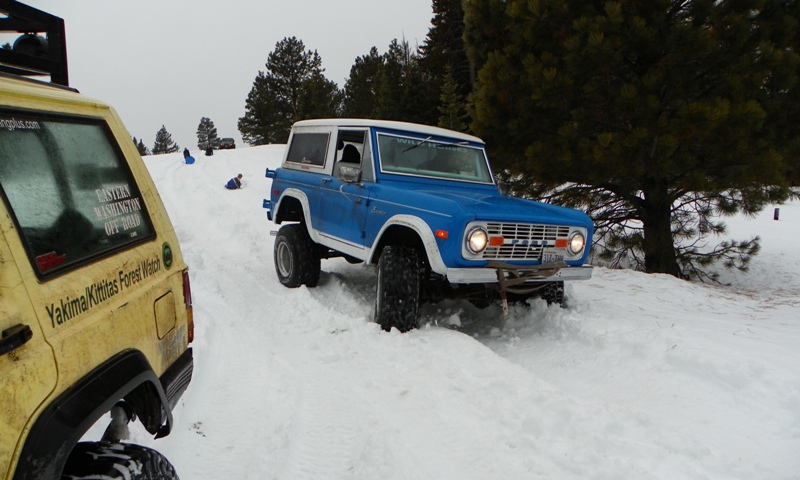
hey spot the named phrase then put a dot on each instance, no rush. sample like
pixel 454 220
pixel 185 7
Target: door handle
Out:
pixel 15 337
pixel 327 180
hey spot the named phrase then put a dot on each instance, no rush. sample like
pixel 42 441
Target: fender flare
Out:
pixel 425 234
pixel 301 197
pixel 65 420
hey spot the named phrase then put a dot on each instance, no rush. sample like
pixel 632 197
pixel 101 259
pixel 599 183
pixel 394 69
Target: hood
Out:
pixel 489 204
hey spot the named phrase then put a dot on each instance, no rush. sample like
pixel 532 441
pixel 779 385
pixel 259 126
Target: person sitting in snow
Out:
pixel 187 157
pixel 234 183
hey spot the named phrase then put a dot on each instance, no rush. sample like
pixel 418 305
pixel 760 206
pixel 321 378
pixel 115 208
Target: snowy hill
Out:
pixel 641 377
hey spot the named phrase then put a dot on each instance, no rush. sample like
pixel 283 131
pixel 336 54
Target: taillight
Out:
pixel 187 300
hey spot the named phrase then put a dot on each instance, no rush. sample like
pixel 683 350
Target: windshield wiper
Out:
pixel 412 147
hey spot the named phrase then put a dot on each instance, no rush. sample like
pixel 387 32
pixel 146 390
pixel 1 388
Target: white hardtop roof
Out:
pixel 388 124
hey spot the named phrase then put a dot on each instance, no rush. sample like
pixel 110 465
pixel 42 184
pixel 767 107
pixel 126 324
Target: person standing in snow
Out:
pixel 234 183
pixel 185 153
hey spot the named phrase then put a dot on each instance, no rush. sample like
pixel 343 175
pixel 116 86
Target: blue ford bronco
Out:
pixel 422 204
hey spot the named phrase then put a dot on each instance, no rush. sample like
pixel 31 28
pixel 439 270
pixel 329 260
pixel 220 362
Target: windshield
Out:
pixel 433 158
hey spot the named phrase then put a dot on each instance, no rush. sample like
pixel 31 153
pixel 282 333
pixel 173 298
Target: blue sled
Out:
pixel 189 160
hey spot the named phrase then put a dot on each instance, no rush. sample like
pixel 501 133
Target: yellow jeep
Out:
pixel 95 302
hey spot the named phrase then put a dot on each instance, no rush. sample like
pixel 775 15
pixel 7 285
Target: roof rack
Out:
pixel 32 54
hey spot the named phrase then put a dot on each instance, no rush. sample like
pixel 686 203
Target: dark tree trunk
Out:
pixel 658 247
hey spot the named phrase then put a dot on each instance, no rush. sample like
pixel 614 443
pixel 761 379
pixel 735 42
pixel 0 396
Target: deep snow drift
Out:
pixel 641 377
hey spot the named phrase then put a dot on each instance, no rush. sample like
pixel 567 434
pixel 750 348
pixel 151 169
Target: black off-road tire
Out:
pixel 553 293
pixel 397 290
pixel 297 260
pixel 116 461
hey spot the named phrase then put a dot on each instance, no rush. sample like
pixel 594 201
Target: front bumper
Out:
pixel 556 271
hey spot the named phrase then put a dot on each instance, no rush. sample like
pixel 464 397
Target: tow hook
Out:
pixel 510 278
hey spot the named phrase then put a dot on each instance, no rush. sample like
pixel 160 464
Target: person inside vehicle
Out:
pixel 350 154
pixel 234 183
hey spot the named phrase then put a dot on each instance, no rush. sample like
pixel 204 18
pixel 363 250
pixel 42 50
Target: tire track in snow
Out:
pixel 326 429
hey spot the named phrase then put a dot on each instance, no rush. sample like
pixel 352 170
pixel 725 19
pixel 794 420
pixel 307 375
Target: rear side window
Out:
pixel 70 190
pixel 308 148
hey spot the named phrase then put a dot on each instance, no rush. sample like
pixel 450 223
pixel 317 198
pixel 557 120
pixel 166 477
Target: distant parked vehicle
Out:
pixel 226 144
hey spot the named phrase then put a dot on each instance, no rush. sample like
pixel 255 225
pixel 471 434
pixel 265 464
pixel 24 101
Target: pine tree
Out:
pixel 292 89
pixel 143 151
pixel 360 89
pixel 264 121
pixel 782 100
pixel 164 142
pixel 452 111
pixel 444 51
pixel 319 98
pixel 391 86
pixel 390 82
pixel 207 134
pixel 660 113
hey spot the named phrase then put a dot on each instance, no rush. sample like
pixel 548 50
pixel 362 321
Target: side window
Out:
pixel 352 150
pixel 70 190
pixel 308 148
pixel 367 170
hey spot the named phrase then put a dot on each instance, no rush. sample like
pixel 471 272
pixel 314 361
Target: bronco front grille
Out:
pixel 522 241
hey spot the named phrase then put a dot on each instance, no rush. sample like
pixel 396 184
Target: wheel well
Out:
pixel 64 421
pixel 400 235
pixel 291 210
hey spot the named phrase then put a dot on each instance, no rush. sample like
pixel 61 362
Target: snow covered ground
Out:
pixel 641 377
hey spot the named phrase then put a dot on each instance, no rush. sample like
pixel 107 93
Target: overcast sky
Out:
pixel 172 62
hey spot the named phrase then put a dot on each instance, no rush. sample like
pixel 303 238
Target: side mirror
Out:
pixel 349 174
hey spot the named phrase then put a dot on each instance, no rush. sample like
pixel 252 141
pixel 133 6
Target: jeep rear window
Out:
pixel 427 157
pixel 70 190
pixel 308 148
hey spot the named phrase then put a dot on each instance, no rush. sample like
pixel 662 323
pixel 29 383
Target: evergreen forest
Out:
pixel 657 118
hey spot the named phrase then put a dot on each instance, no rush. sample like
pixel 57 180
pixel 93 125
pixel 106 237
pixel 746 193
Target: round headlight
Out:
pixel 477 239
pixel 576 243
